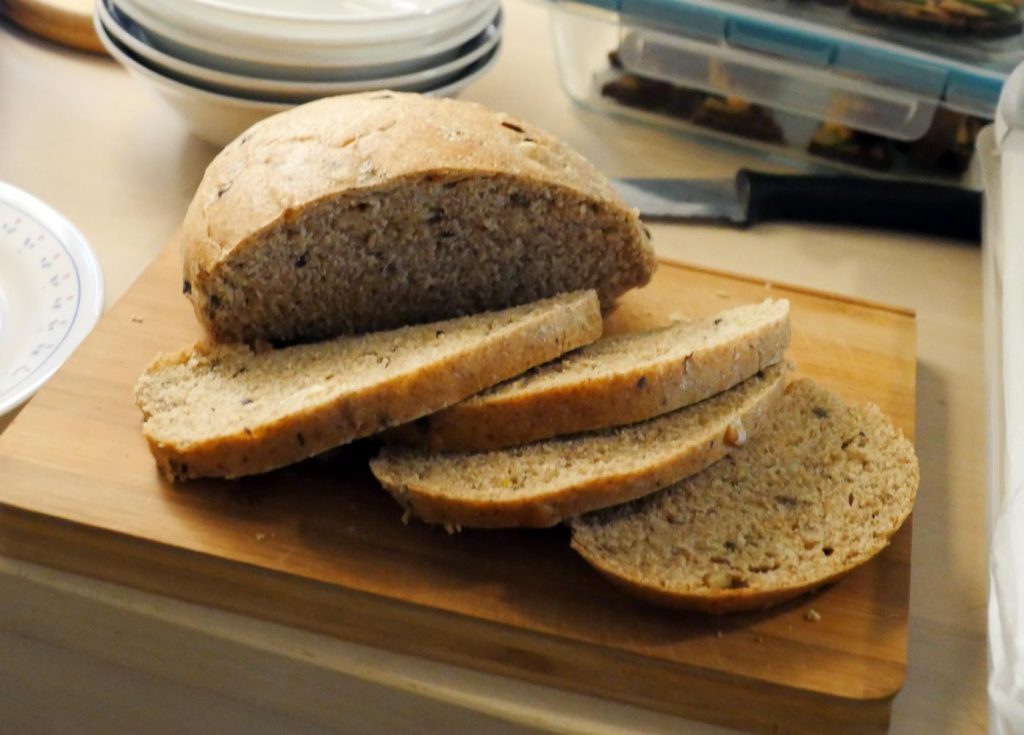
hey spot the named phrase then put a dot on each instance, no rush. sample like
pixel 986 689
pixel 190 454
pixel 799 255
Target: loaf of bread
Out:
pixel 228 410
pixel 540 484
pixel 614 381
pixel 820 490
pixel 371 211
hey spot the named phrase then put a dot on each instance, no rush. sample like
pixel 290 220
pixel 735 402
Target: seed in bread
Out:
pixel 373 211
pixel 817 492
pixel 614 381
pixel 543 483
pixel 228 410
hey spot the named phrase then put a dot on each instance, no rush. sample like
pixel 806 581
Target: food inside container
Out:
pixel 718 112
pixel 946 147
pixel 983 18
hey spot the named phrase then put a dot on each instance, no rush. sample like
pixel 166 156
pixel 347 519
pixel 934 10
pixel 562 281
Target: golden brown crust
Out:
pixel 718 602
pixel 306 433
pixel 427 504
pixel 361 142
pixel 649 388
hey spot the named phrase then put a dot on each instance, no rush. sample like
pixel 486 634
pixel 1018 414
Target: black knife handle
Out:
pixel 930 209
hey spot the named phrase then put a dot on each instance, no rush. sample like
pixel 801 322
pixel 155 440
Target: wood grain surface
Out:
pixel 67 22
pixel 320 546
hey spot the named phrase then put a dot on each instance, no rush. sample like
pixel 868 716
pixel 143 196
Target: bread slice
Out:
pixel 227 410
pixel 821 489
pixel 614 381
pixel 540 484
pixel 423 208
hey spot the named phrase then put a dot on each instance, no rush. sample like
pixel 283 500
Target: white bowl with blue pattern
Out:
pixel 51 294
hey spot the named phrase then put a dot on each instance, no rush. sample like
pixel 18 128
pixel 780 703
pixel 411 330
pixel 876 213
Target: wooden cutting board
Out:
pixel 321 547
pixel 67 22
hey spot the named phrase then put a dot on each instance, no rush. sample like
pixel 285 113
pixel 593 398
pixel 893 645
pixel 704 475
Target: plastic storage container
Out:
pixel 853 83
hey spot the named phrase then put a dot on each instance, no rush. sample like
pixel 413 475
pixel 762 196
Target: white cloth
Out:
pixel 1004 317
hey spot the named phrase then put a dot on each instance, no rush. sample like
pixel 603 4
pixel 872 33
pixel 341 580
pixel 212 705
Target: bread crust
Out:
pixel 433 505
pixel 719 602
pixel 296 436
pixel 651 584
pixel 647 389
pixel 347 146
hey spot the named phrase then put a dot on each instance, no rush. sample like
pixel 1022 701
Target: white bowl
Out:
pixel 51 293
pixel 327 11
pixel 216 118
pixel 332 21
pixel 129 35
pixel 220 118
pixel 294 58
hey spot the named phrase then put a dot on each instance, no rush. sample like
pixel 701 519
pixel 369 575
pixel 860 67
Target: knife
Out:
pixel 754 197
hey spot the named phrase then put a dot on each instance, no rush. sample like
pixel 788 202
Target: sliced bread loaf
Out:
pixel 424 209
pixel 614 381
pixel 540 484
pixel 227 410
pixel 821 489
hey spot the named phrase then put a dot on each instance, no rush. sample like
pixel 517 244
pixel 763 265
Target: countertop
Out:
pixel 82 135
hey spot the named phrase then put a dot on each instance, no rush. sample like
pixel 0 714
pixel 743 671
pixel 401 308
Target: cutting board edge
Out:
pixel 795 288
pixel 519 652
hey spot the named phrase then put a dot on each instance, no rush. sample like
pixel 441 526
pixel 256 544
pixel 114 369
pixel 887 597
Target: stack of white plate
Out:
pixel 224 64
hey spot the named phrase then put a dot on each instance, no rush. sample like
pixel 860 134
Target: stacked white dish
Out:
pixel 224 64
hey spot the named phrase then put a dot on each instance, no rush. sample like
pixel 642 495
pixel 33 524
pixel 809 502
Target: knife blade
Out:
pixel 753 197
